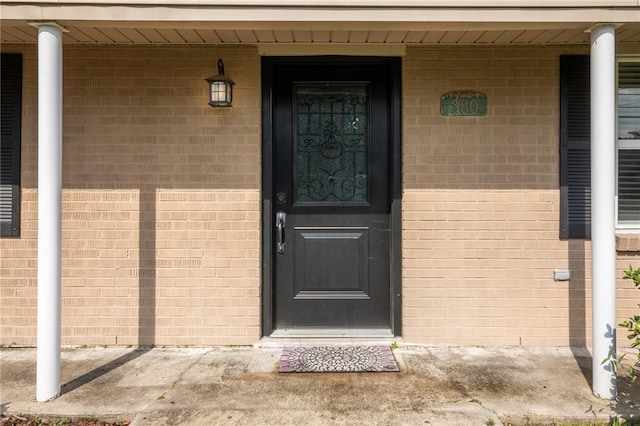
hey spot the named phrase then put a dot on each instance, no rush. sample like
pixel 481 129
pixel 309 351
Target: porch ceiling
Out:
pixel 241 33
pixel 321 21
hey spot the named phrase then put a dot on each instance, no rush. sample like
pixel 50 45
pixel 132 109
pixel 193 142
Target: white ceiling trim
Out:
pixel 352 3
pixel 333 15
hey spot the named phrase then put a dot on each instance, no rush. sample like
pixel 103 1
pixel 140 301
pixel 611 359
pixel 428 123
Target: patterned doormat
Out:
pixel 333 359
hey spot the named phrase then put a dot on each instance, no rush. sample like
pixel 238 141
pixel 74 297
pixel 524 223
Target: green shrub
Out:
pixel 632 325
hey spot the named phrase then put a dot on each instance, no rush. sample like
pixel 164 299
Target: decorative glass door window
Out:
pixel 332 143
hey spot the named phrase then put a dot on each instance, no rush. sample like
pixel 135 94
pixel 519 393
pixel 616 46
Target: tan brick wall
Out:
pixel 481 205
pixel 161 203
pixel 18 256
pixel 161 200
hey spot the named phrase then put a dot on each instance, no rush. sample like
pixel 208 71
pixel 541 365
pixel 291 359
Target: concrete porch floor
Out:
pixel 231 385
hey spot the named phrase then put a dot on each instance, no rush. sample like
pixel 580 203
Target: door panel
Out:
pixel 331 263
pixel 331 187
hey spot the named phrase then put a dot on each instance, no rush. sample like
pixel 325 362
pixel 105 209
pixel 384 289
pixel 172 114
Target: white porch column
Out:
pixel 49 209
pixel 603 179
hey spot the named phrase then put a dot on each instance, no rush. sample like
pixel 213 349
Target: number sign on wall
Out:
pixel 463 103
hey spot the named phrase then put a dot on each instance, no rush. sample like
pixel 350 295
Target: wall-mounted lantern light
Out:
pixel 220 88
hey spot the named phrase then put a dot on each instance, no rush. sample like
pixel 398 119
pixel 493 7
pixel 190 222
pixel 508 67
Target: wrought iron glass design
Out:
pixel 332 158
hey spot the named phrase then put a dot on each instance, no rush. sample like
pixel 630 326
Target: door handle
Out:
pixel 281 221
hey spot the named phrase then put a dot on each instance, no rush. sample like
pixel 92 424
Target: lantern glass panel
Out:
pixel 219 91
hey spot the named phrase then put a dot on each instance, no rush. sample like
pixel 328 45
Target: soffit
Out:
pixel 22 32
pixel 319 21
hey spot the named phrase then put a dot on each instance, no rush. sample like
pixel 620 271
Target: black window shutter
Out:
pixel 10 128
pixel 575 147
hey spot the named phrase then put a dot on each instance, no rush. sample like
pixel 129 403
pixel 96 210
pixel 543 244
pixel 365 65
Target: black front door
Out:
pixel 332 176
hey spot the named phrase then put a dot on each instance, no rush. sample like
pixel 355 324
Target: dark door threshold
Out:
pixel 322 332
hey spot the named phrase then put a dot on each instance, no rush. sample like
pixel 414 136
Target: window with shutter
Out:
pixel 10 127
pixel 575 174
pixel 628 191
pixel 575 148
